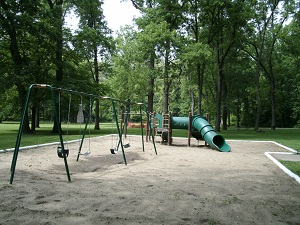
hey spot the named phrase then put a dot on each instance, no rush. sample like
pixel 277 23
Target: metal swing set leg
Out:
pixel 84 131
pixel 115 150
pixel 127 145
pixel 18 141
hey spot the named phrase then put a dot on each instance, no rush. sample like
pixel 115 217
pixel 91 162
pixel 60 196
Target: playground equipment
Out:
pixel 197 126
pixel 61 150
pixel 114 150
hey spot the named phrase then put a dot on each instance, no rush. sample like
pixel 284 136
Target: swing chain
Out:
pixel 59 148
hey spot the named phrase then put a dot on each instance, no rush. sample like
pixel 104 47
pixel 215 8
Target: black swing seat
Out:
pixel 113 150
pixel 126 145
pixel 60 152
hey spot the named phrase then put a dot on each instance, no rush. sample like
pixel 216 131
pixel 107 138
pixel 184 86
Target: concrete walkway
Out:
pixel 286 156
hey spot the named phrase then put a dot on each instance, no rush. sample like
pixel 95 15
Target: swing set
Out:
pixel 62 149
pixel 123 124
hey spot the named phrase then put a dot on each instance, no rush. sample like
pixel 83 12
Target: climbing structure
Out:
pixel 197 126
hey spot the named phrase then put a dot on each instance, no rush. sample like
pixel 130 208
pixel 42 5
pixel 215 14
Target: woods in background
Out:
pixel 236 60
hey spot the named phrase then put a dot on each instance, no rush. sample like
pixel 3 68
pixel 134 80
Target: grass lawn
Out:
pixel 9 130
pixel 286 136
pixel 292 166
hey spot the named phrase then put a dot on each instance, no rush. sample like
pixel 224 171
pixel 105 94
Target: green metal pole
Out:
pixel 60 131
pixel 127 115
pixel 149 124
pixel 20 132
pixel 119 132
pixel 122 130
pixel 86 124
pixel 142 127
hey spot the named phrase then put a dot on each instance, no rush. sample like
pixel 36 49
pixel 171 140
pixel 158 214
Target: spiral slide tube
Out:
pixel 207 132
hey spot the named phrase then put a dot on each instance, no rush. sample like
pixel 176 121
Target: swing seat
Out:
pixel 86 153
pixel 126 145
pixel 114 150
pixel 60 152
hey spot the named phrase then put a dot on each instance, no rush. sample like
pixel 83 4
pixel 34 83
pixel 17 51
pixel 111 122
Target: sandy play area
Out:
pixel 180 185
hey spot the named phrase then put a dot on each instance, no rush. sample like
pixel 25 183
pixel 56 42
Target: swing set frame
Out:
pixel 57 119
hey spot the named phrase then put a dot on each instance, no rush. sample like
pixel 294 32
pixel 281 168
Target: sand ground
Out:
pixel 180 185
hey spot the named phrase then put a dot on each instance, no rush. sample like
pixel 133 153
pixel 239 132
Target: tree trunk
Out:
pixel 192 103
pixel 200 88
pixel 238 114
pixel 58 18
pixel 97 115
pixel 151 83
pixel 37 115
pixel 59 43
pixel 225 108
pixel 166 80
pixel 33 116
pixel 219 99
pixel 96 69
pixel 9 25
pixel 273 102
pixel 258 100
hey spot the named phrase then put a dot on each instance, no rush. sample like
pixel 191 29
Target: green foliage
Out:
pixel 293 166
pixel 183 39
pixel 129 78
pixel 9 102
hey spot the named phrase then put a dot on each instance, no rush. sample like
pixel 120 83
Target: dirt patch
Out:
pixel 180 185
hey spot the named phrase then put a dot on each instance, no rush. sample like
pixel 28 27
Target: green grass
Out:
pixel 292 166
pixel 286 136
pixel 9 130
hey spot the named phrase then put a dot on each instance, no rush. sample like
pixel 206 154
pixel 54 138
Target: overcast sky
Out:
pixel 118 13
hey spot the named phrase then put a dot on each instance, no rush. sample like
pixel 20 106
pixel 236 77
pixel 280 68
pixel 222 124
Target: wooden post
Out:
pixel 189 129
pixel 147 125
pixel 207 118
pixel 153 131
pixel 169 129
pixel 125 124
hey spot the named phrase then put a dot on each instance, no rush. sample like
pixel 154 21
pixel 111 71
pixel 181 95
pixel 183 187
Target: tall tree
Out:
pixel 222 21
pixel 93 39
pixel 130 72
pixel 267 23
pixel 150 42
pixel 167 15
pixel 20 23
pixel 56 8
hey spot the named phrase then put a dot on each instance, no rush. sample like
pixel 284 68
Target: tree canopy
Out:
pixel 239 66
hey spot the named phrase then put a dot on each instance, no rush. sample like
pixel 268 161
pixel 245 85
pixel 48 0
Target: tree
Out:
pixel 290 56
pixel 193 28
pixel 223 23
pixel 130 72
pixel 19 23
pixel 266 26
pixel 93 39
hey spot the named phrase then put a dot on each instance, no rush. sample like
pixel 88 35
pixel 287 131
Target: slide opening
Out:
pixel 219 141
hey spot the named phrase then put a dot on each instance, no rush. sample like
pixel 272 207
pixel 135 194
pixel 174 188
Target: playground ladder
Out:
pixel 166 121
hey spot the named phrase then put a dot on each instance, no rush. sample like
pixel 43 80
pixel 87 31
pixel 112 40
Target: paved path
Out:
pixel 287 156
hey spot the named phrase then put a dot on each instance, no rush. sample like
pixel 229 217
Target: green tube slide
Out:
pixel 206 131
pixel 209 135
